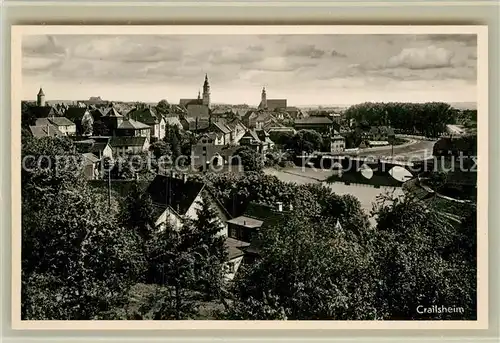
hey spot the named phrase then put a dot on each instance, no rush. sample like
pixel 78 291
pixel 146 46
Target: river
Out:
pixel 366 194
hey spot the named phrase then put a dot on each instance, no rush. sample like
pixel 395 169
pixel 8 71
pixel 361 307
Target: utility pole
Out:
pixel 109 189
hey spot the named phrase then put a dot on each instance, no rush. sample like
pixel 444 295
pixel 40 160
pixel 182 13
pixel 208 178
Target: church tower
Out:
pixel 40 98
pixel 263 99
pixel 206 92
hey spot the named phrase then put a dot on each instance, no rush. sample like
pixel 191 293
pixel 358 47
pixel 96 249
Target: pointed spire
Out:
pixel 199 94
pixel 40 92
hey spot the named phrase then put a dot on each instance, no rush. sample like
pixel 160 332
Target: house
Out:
pixel 321 124
pixel 257 119
pixel 456 146
pixel 245 228
pixel 337 144
pixel 281 129
pixel 42 111
pixel 122 145
pixel 99 146
pixel 76 114
pixel 176 198
pixel 91 166
pixel 64 125
pixel 265 139
pixel 148 116
pixel 48 130
pixel 380 133
pixel 196 125
pixel 294 112
pixel 111 119
pixel 132 128
pixel 196 110
pixel 236 253
pixel 206 153
pixel 172 120
pixel 222 130
pixel 237 128
pixel 259 144
pixel 336 117
pixel 211 138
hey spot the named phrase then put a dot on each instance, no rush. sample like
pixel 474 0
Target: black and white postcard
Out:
pixel 271 176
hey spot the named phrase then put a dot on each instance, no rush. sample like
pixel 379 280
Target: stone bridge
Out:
pixel 358 170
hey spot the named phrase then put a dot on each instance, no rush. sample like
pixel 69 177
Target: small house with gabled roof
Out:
pixel 176 198
pixel 147 115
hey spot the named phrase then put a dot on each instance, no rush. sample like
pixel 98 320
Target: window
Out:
pixel 233 233
pixel 231 267
pixel 163 126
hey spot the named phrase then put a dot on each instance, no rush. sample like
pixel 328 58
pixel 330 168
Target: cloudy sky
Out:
pixel 306 69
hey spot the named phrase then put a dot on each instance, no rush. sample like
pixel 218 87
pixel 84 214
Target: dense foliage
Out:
pixel 427 119
pixel 84 259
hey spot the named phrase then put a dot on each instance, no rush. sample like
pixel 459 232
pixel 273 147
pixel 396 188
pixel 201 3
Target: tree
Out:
pixel 173 266
pixel 160 149
pixel 87 124
pixel 305 273
pixel 305 141
pixel 419 261
pixel 77 262
pixel 174 139
pixel 137 212
pixel 203 236
pixel 281 138
pixel 163 106
pixel 250 159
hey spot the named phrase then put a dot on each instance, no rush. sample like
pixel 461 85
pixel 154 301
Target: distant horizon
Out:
pixel 305 69
pixel 461 104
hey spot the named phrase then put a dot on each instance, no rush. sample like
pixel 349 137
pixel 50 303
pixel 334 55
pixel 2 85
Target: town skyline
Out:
pixel 317 70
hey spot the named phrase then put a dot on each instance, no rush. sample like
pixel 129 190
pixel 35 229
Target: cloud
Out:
pixel 124 49
pixel 335 53
pixel 422 58
pixel 308 50
pixel 465 39
pixel 230 55
pixel 279 64
pixel 35 65
pixel 42 46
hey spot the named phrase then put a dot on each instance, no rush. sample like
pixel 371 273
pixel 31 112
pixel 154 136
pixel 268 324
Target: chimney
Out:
pixel 280 206
pixel 48 129
pixel 184 177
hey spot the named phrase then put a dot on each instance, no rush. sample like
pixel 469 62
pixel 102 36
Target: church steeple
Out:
pixel 206 92
pixel 263 99
pixel 199 95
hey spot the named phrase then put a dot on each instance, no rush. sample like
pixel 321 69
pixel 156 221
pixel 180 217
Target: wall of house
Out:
pixel 239 132
pixel 107 152
pixel 236 262
pixel 337 145
pixel 68 130
pixel 161 129
pixel 169 217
